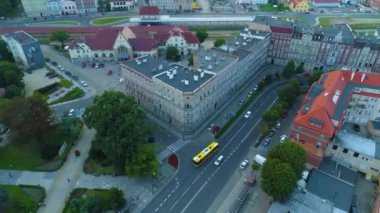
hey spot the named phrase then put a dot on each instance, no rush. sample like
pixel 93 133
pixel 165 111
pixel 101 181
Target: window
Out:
pixel 356 154
pixel 345 151
pixel 335 147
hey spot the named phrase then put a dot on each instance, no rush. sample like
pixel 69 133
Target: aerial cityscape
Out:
pixel 190 106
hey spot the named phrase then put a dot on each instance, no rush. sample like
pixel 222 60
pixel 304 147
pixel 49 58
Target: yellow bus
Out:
pixel 205 153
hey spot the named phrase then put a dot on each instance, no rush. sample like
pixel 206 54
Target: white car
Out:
pixel 219 160
pixel 248 114
pixel 121 80
pixel 244 164
pixel 71 112
pixel 278 124
pixel 283 138
pixel 84 83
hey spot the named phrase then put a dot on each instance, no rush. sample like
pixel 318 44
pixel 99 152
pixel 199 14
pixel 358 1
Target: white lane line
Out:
pixel 156 210
pixel 195 179
pixel 192 199
pixel 188 188
pixel 171 208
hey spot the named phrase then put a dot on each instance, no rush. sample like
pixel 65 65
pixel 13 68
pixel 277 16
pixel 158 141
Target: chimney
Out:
pixel 195 77
pixel 202 74
pixel 363 77
pixel 352 75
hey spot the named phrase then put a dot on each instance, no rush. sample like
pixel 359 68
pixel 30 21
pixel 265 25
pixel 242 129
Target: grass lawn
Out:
pixel 270 8
pixel 298 19
pixel 93 167
pixel 59 23
pixel 27 155
pixel 79 196
pixel 65 83
pixel 72 95
pixel 365 26
pixel 325 21
pixel 23 198
pixel 109 20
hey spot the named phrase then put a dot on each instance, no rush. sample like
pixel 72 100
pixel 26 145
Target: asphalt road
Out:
pixel 194 189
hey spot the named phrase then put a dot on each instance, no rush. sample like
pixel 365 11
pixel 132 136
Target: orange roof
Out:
pixel 319 115
pixel 293 3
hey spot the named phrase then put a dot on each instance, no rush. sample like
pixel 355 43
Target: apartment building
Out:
pixel 299 5
pixel 170 5
pixel 35 8
pixel 178 95
pixel 87 6
pixel 122 4
pixel 25 50
pixel 323 124
pixel 280 38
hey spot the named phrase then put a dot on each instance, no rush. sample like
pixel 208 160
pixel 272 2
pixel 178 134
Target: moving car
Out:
pixel 219 160
pixel 84 83
pixel 248 114
pixel 278 124
pixel 244 164
pixel 283 138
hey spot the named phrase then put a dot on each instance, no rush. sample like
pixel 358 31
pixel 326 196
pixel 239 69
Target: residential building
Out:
pixel 35 8
pixel 122 4
pixel 252 2
pixel 185 42
pixel 178 95
pixel 87 6
pixel 375 4
pixel 69 7
pixel 326 3
pixel 299 5
pixel 149 12
pixel 280 38
pixel 25 50
pixel 330 105
pixel 172 5
pixel 105 45
pixel 54 7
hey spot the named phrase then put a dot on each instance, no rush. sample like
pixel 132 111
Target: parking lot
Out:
pixel 37 80
pixel 98 78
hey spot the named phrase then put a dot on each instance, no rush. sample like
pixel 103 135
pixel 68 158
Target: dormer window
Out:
pixel 316 122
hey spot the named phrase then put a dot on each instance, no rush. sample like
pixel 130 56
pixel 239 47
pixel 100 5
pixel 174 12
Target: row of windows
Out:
pixel 345 151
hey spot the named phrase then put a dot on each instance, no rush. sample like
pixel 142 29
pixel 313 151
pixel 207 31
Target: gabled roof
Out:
pixel 327 127
pixel 149 11
pixel 103 40
pixel 155 29
pixel 143 44
pixel 294 3
pixel 43 30
pixel 190 38
pixel 284 30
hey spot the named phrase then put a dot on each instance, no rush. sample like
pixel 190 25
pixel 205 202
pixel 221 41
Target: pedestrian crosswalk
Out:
pixel 178 145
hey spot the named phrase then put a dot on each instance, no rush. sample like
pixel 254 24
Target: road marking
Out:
pixel 156 210
pixel 196 194
pixel 195 179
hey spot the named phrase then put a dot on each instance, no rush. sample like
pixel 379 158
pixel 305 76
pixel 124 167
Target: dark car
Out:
pixel 356 127
pixel 75 77
pixel 101 65
pixel 84 65
pixel 47 59
pixel 54 63
pixel 93 65
pixel 48 74
pixel 52 76
pixel 68 73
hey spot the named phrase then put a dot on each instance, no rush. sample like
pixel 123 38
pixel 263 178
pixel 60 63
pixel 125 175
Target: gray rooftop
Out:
pixel 302 202
pixel 358 144
pixel 376 125
pixel 21 37
pixel 335 29
pixel 272 22
pixel 213 60
pixel 183 78
pixel 333 168
pixel 241 42
pixel 147 65
pixel 328 187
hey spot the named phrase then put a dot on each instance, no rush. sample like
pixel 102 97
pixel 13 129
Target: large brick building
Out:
pixel 325 109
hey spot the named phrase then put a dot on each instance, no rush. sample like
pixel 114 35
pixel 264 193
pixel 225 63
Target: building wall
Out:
pixel 304 50
pixel 278 48
pixel 86 6
pixel 122 5
pixel 181 44
pixel 172 5
pixel 153 52
pixel 35 8
pixel 300 7
pixel 355 160
pixel 69 7
pixel 332 4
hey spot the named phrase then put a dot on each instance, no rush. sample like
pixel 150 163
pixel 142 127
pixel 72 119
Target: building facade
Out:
pixel 172 5
pixel 86 6
pixel 25 50
pixel 280 38
pixel 69 7
pixel 122 5
pixel 35 8
pixel 299 5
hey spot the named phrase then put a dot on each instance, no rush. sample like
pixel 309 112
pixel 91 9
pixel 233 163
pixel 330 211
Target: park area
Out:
pixel 17 199
pixel 109 20
pixel 355 23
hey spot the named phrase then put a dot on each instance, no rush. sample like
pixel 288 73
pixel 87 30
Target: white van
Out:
pixel 219 160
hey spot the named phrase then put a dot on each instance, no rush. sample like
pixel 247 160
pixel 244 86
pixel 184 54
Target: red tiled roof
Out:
pixel 150 11
pixel 161 37
pixel 103 40
pixel 326 1
pixel 281 30
pixel 190 38
pixel 143 44
pixel 155 29
pixel 294 2
pixel 323 107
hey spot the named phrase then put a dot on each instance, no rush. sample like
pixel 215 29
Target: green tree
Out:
pixel 289 70
pixel 116 198
pixel 300 68
pixel 70 125
pixel 6 8
pixel 60 36
pixel 4 197
pixel 26 117
pixel 5 55
pixel 10 74
pixel 290 153
pixel 219 42
pixel 268 79
pixel 278 179
pixel 172 53
pixel 202 34
pixel 190 61
pixel 121 126
pixel 315 76
pixel 270 116
pixel 144 162
pixel 277 76
pixel 13 91
pixel 289 92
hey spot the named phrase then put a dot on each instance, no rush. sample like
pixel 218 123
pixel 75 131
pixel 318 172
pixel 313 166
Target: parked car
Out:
pixel 71 112
pixel 84 83
pixel 54 63
pixel 283 138
pixel 101 65
pixel 248 114
pixel 209 128
pixel 121 81
pixel 244 164
pixel 96 66
pixel 53 75
pixel 75 77
pixel 84 65
pixel 219 160
pixel 109 72
pixel 93 65
pixel 49 74
pixel 240 103
pixel 47 59
pixel 356 127
pixel 255 88
pixel 278 124
pixel 68 73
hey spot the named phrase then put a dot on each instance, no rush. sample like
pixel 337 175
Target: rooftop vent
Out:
pixel 363 77
pixel 195 78
pixel 171 76
pixel 174 72
pixel 208 58
pixel 160 67
pixel 237 43
pixel 244 44
pixel 138 62
pixel 202 74
pixel 145 60
pixel 186 82
pixel 209 67
pixel 199 70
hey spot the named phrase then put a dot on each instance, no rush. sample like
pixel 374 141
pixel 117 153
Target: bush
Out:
pixel 97 154
pixel 255 166
pixel 49 151
pixel 48 89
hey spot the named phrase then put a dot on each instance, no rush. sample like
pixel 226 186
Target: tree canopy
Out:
pixel 172 53
pixel 26 117
pixel 290 91
pixel 289 69
pixel 5 54
pixel 202 34
pixel 10 74
pixel 278 179
pixel 300 68
pixel 60 36
pixel 290 153
pixel 121 126
pixel 144 163
pixel 6 8
pixel 219 42
pixel 315 76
